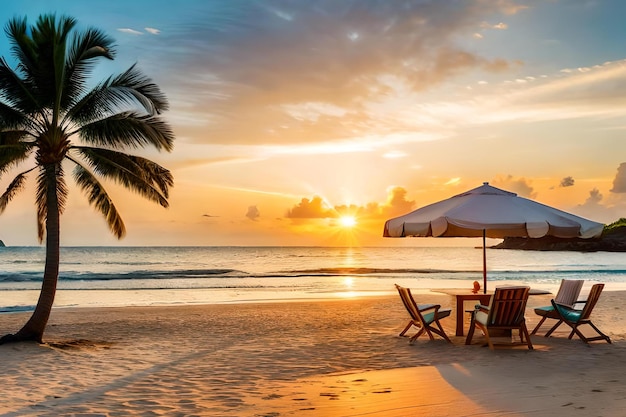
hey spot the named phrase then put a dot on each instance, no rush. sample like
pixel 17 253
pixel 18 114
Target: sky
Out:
pixel 310 123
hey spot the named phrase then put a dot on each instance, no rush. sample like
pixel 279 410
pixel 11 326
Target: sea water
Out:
pixel 126 276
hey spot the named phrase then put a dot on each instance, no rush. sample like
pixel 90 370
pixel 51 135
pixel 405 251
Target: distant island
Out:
pixel 613 239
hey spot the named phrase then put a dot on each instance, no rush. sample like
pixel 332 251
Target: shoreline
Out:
pixel 24 300
pixel 319 358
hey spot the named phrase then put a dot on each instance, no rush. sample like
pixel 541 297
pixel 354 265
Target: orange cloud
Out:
pixel 520 185
pixel 619 182
pixel 315 208
pixel 310 209
pixel 260 74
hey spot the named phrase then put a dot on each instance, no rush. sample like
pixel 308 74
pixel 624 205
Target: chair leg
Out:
pixel 489 342
pixel 524 330
pixel 416 335
pixel 441 332
pixel 429 332
pixel 580 335
pixel 602 335
pixel 470 331
pixel 408 326
pixel 574 330
pixel 538 325
pixel 558 323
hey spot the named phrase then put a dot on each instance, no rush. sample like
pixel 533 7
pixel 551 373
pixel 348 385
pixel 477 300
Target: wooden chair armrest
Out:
pixel 570 308
pixel 566 307
pixel 480 307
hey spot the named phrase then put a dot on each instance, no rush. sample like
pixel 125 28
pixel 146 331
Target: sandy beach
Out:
pixel 309 358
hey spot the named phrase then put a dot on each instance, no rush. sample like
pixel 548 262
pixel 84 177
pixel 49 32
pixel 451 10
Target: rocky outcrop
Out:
pixel 611 240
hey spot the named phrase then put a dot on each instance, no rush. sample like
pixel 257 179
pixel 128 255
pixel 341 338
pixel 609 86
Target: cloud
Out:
pixel 152 31
pixel 311 209
pixel 499 26
pixel 253 213
pixel 592 202
pixel 567 182
pixel 301 71
pixel 594 197
pixel 593 92
pixel 520 185
pixel 130 31
pixel 209 215
pixel 619 182
pixel 395 154
pixel 396 203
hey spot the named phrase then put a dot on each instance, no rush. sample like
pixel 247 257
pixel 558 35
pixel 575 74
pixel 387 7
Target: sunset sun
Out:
pixel 347 221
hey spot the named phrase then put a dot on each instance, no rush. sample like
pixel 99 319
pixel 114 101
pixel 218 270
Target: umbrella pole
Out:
pixel 484 262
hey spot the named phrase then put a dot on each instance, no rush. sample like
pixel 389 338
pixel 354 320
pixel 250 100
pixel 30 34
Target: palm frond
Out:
pixel 133 82
pixel 14 187
pixel 85 48
pixel 156 174
pixel 50 179
pixel 22 46
pixel 129 129
pixel 16 91
pixel 117 94
pixel 12 153
pixel 100 200
pixel 13 137
pixel 141 175
pixel 50 37
pixel 11 118
pixel 40 53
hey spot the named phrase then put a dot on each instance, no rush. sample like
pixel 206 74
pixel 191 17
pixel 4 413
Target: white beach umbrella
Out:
pixel 490 212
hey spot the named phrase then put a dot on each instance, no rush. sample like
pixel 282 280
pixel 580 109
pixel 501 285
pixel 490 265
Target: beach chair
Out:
pixel 567 295
pixel 423 316
pixel 504 314
pixel 576 318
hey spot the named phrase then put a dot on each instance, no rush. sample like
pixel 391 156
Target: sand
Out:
pixel 309 358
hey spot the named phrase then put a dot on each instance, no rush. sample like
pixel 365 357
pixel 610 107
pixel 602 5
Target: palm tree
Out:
pixel 51 118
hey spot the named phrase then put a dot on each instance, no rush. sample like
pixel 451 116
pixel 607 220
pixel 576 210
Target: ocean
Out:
pixel 133 276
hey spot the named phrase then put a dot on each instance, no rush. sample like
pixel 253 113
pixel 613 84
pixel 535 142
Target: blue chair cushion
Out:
pixel 569 314
pixel 429 317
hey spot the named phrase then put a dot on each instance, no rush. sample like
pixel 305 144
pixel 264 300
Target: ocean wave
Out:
pixel 367 271
pixel 36 276
pixel 143 274
pixel 16 309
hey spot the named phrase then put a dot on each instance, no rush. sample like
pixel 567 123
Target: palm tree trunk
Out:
pixel 34 328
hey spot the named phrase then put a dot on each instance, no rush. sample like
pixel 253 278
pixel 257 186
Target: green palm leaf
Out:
pixel 85 49
pixel 98 197
pixel 141 175
pixel 117 94
pixel 46 104
pixel 129 129
pixel 16 91
pixel 12 154
pixel 11 118
pixel 16 185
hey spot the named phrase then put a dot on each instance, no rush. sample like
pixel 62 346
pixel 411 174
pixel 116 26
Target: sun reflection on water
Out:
pixel 348 282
